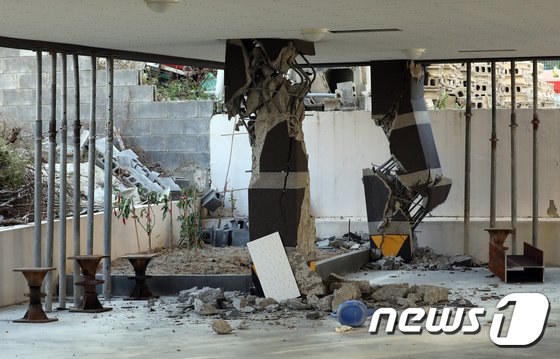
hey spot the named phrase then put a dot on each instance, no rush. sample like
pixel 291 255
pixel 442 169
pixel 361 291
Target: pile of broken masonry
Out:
pixel 319 298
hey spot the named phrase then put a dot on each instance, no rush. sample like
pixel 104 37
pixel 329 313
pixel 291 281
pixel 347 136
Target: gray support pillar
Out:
pixel 91 158
pixel 108 203
pixel 76 193
pixel 535 122
pixel 467 196
pixel 38 188
pixel 494 142
pixel 51 184
pixel 513 155
pixel 63 185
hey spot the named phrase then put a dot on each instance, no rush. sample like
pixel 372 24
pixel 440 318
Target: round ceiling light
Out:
pixel 161 5
pixel 413 54
pixel 314 35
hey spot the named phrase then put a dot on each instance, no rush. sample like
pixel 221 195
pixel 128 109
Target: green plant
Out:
pixel 190 233
pixel 12 166
pixel 232 203
pixel 124 208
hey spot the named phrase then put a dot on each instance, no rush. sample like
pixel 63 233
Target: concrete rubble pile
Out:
pixel 349 241
pixel 448 82
pixel 130 171
pixel 425 258
pixel 215 303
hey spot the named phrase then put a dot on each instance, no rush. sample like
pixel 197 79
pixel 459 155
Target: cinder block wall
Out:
pixel 173 134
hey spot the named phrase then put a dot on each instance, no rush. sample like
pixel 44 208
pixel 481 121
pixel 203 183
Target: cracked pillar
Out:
pixel 401 192
pixel 261 97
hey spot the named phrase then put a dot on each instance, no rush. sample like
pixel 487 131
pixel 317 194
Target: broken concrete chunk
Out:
pixel 248 309
pixel 309 282
pixel 296 304
pixel 405 303
pixel 239 303
pixel 313 315
pixel 390 293
pixel 204 308
pixel 414 298
pixel 461 261
pixel 184 295
pixel 262 303
pixel 432 294
pixel 209 295
pixel 221 326
pixel 347 292
pixel 325 243
pixel 272 308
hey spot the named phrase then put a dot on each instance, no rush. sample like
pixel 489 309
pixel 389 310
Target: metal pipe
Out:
pixel 91 158
pixel 467 195
pixel 37 187
pixel 63 185
pixel 513 126
pixel 493 141
pixel 51 184
pixel 76 193
pixel 535 154
pixel 108 202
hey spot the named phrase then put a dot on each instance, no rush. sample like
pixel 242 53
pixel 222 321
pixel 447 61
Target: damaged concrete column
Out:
pixel 263 99
pixel 402 191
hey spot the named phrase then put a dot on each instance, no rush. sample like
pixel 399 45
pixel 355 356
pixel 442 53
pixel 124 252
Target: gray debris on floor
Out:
pixel 349 241
pixel 424 258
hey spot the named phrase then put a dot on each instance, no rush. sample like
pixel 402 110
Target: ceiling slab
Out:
pixel 197 29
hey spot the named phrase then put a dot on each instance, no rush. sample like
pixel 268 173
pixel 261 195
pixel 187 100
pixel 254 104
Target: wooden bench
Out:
pixel 528 267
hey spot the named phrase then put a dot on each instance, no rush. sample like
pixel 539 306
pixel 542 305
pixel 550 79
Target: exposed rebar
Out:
pixel 76 193
pixel 63 185
pixel 51 184
pixel 467 195
pixel 535 123
pixel 108 203
pixel 91 158
pixel 37 187
pixel 513 126
pixel 493 141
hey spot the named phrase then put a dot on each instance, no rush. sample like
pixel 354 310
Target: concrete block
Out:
pixel 342 264
pixel 8 112
pixel 168 182
pixel 142 126
pixel 21 65
pixel 18 97
pixel 205 108
pixel 182 109
pixel 126 77
pixel 9 52
pixel 149 110
pixel 202 159
pixel 140 93
pixel 169 160
pixel 204 126
pixel 202 143
pixel 168 126
pixel 8 81
pixel 184 143
pixel 150 143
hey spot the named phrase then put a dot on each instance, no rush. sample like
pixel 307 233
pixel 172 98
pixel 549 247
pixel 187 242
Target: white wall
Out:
pixel 16 249
pixel 340 144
